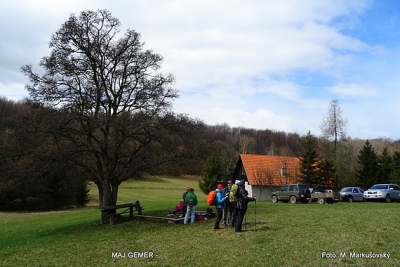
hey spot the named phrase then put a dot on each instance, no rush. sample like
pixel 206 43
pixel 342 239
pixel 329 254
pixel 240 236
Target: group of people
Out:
pixel 231 213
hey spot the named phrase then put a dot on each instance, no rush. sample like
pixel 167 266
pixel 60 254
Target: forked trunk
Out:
pixel 108 193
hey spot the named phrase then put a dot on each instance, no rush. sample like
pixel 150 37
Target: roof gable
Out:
pixel 269 170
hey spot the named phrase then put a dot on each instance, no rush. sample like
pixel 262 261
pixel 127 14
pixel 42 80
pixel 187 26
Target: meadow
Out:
pixel 278 234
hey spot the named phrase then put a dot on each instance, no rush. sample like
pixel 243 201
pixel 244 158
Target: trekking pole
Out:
pixel 245 221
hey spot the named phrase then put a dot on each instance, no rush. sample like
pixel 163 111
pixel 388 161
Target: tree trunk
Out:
pixel 108 192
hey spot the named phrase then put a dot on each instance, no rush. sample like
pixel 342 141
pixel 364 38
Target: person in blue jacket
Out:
pixel 219 204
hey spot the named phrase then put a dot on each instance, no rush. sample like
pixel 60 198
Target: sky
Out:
pixel 257 64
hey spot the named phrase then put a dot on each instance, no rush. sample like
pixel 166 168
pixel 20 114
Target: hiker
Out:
pixel 228 207
pixel 184 208
pixel 191 203
pixel 233 200
pixel 219 204
pixel 241 206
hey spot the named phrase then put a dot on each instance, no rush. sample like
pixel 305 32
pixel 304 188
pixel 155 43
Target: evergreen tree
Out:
pixel 309 161
pixel 395 174
pixel 216 169
pixel 384 167
pixel 367 166
pixel 326 173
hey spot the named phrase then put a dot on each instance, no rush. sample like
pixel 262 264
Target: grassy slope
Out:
pixel 285 234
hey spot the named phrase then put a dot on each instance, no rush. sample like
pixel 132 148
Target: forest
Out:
pixel 38 170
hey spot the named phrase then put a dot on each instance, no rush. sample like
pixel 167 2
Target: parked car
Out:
pixel 293 193
pixel 350 194
pixel 386 192
pixel 324 195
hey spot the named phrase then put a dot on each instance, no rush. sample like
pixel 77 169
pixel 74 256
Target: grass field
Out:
pixel 275 234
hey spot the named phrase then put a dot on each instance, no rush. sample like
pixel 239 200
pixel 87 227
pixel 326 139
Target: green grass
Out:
pixel 284 234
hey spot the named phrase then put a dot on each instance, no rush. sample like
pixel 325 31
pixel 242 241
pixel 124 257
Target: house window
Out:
pixel 243 172
pixel 283 171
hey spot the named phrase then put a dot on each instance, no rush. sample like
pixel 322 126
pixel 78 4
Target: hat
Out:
pixel 220 187
pixel 230 182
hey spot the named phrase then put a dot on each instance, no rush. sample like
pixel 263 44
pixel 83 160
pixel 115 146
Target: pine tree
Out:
pixel 384 167
pixel 216 169
pixel 309 161
pixel 368 166
pixel 395 174
pixel 326 173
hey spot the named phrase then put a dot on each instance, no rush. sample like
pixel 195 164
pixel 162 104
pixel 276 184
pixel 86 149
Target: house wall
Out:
pixel 263 193
pixel 255 190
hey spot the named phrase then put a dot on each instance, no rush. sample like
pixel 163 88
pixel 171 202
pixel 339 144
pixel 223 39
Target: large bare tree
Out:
pixel 332 145
pixel 334 125
pixel 116 105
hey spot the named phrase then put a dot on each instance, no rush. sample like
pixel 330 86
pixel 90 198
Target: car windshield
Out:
pixel 346 189
pixel 380 186
pixel 303 187
pixel 319 190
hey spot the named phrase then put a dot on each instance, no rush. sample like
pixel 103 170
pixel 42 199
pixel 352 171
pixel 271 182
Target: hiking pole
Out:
pixel 245 221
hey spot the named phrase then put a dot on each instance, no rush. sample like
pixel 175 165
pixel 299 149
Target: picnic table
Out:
pixel 110 212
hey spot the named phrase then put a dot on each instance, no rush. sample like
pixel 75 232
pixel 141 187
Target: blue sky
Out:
pixel 257 64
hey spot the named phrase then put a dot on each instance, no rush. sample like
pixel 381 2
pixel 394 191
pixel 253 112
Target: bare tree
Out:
pixel 333 130
pixel 116 103
pixel 334 126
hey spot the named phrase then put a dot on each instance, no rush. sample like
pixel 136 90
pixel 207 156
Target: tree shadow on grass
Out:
pixel 258 226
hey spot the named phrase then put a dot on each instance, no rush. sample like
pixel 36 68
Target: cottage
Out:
pixel 264 173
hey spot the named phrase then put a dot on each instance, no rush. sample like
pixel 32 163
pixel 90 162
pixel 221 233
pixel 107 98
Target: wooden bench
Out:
pixel 111 211
pixel 168 219
pixel 174 218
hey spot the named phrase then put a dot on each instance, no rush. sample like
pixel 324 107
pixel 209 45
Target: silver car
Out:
pixel 351 194
pixel 387 192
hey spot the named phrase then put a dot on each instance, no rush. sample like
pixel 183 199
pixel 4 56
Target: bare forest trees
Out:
pixel 333 146
pixel 334 126
pixel 116 103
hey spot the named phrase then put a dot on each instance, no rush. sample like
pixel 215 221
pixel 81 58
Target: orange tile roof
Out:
pixel 266 170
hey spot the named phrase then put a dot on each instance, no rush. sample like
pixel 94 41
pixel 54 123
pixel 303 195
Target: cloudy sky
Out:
pixel 257 64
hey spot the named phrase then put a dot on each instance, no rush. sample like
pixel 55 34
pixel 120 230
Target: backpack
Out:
pixel 233 193
pixel 190 201
pixel 211 198
pixel 209 213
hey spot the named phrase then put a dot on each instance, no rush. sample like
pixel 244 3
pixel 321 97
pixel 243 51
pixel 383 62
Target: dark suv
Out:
pixel 293 193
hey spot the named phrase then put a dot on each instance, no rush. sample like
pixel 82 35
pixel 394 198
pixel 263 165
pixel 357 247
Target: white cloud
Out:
pixel 354 90
pixel 259 64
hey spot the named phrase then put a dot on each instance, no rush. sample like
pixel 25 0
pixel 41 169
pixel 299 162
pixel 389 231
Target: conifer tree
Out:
pixel 395 174
pixel 216 169
pixel 367 166
pixel 326 173
pixel 384 167
pixel 308 161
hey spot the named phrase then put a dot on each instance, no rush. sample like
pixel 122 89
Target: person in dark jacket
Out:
pixel 219 205
pixel 243 200
pixel 228 207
